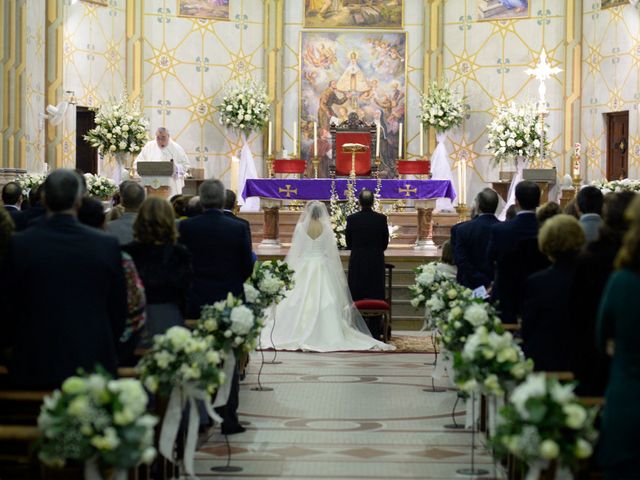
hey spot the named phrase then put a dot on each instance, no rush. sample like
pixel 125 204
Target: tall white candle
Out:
pixel 464 181
pixel 315 139
pixel 421 141
pixel 377 140
pixel 460 188
pixel 400 141
pixel 269 149
pixel 295 139
pixel 235 171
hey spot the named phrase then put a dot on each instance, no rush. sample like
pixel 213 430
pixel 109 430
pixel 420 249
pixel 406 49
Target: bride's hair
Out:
pixel 315 210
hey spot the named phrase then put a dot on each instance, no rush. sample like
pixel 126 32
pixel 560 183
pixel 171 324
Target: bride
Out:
pixel 318 314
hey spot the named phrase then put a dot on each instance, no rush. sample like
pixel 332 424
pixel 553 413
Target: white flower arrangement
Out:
pixel 245 106
pixel 268 284
pixel 615 186
pixel 231 324
pixel 100 187
pixel 181 357
pixel 29 181
pixel 515 132
pixel 339 211
pixel 429 277
pixel 440 109
pixel 120 127
pixel 544 421
pixel 490 362
pixel 94 418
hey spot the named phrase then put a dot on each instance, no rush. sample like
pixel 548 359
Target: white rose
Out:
pixel 507 355
pixel 241 320
pixel 178 336
pixel 148 455
pixel 452 293
pixel 549 450
pixel 425 278
pixel 562 393
pixel 583 449
pixel 476 315
pixel 576 415
pixel 250 293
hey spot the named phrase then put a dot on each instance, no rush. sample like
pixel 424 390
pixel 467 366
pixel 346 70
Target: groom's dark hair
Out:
pixel 365 198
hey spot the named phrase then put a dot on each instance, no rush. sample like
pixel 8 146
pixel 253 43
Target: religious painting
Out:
pixel 613 3
pixel 350 72
pixel 215 9
pixel 104 3
pixel 502 9
pixel 353 14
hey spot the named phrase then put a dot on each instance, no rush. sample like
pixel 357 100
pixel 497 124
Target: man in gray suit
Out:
pixel 590 200
pixel 131 195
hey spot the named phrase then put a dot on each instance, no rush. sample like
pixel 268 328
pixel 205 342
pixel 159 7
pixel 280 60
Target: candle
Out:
pixel 460 199
pixel 400 141
pixel 421 141
pixel 464 182
pixel 315 139
pixel 576 166
pixel 269 150
pixel 576 149
pixel 295 139
pixel 377 140
pixel 235 170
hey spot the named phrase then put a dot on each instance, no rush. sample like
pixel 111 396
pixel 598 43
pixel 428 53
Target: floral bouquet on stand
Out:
pixel 29 181
pixel 463 318
pixel 624 185
pixel 429 277
pixel 440 109
pixel 545 426
pixel 339 211
pixel 184 367
pixel 100 187
pixel 490 363
pixel 97 421
pixel 245 107
pixel 268 284
pixel 120 128
pixel 515 132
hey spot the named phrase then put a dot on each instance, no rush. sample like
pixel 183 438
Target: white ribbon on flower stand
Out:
pixel 441 170
pixel 247 171
pixel 515 180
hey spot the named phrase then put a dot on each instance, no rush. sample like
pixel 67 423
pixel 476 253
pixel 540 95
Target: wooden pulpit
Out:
pixel 156 177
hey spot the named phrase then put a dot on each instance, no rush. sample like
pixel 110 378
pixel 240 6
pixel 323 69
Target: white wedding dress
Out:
pixel 318 314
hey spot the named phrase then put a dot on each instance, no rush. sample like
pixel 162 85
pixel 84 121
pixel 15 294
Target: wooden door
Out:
pixel 86 155
pixel 617 145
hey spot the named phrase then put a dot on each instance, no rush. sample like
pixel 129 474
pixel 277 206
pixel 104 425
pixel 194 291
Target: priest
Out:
pixel 164 149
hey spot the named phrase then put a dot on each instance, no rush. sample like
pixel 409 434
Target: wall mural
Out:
pixel 218 9
pixel 502 9
pixel 352 72
pixel 613 3
pixel 337 14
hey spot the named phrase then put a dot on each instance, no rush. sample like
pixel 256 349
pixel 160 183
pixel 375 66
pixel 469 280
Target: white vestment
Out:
pixel 152 153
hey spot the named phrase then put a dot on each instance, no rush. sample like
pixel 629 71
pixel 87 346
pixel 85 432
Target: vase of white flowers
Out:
pixel 624 185
pixel 102 188
pixel 244 107
pixel 29 181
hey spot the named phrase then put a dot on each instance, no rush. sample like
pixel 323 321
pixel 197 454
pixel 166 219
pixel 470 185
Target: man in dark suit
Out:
pixel 12 198
pixel 35 214
pixel 470 239
pixel 504 241
pixel 131 196
pixel 367 236
pixel 221 250
pixel 590 201
pixel 230 207
pixel 75 319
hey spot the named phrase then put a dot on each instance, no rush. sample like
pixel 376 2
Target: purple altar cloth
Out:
pixel 320 189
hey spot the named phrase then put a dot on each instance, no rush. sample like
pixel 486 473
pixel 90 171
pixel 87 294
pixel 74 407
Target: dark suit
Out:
pixel 18 217
pixel 34 216
pixel 469 241
pixel 367 236
pixel 74 312
pixel 501 252
pixel 221 252
pixel 546 323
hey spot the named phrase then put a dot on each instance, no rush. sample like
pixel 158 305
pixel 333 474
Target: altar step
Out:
pixel 406 235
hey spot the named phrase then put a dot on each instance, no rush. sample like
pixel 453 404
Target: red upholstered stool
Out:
pixel 414 167
pixel 295 166
pixel 380 308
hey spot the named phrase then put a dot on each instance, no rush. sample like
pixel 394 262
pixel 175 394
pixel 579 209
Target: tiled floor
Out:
pixel 344 415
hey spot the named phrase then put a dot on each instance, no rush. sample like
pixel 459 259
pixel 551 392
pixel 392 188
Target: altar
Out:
pixel 273 191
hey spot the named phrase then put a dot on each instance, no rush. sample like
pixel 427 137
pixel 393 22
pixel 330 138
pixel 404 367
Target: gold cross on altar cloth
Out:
pixel 407 190
pixel 288 191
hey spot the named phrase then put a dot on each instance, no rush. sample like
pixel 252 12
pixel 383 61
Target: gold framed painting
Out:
pixel 102 3
pixel 612 3
pixel 209 9
pixel 372 14
pixel 347 72
pixel 496 10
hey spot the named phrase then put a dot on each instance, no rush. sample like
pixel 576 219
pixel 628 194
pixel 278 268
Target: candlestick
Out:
pixel 315 139
pixel 377 140
pixel 295 139
pixel 269 150
pixel 400 141
pixel 421 141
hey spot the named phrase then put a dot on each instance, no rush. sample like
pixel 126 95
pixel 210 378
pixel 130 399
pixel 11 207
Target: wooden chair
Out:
pixel 380 308
pixel 353 130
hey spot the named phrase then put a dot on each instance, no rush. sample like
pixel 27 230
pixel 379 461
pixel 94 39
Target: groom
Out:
pixel 367 238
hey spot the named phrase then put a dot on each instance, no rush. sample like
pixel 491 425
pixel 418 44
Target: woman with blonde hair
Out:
pixel 619 321
pixel 163 264
pixel 546 321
